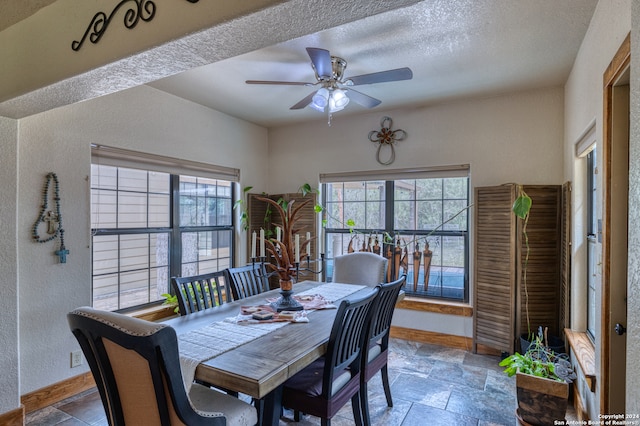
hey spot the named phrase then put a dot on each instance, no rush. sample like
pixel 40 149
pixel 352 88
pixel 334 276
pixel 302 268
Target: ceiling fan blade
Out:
pixel 321 59
pixel 286 83
pixel 381 77
pixel 362 99
pixel 304 102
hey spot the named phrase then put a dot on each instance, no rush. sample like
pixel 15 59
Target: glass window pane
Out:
pixel 159 210
pixel 429 189
pixel 105 254
pixel 375 190
pixel 134 288
pixel 405 190
pixel 103 209
pixel 134 252
pixel 354 212
pixel 105 292
pixel 132 210
pixel 429 214
pixel 455 188
pixel 375 215
pixel 104 177
pixel 159 182
pixel 404 215
pixel 354 191
pixel 455 214
pixel 132 180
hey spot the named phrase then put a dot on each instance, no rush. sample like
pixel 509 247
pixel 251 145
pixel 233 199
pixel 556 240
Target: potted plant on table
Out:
pixel 542 382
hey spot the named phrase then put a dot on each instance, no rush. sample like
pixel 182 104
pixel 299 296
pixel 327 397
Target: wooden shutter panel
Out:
pixel 495 270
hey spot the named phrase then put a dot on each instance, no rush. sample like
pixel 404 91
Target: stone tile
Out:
pixel 420 415
pixel 421 389
pixel 499 382
pixel 382 415
pixel 470 376
pixel 404 347
pixel 404 363
pixel 496 408
pixel 89 409
pixel 489 362
pixel 47 416
pixel 441 353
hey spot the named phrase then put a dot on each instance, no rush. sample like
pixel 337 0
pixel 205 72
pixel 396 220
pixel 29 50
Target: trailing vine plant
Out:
pixel 521 208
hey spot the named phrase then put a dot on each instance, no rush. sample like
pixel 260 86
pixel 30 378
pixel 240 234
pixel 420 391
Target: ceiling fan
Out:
pixel 335 90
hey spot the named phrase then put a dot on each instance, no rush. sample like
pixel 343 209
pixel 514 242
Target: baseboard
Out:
pixel 13 417
pixel 56 392
pixel 449 340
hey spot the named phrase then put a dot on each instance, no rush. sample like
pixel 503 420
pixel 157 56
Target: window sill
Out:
pixel 585 353
pixel 154 313
pixel 436 306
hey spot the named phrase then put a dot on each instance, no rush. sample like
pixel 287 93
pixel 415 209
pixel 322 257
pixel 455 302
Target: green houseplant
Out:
pixel 542 382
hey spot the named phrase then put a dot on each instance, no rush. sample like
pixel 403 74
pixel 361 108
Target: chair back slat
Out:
pixel 247 281
pixel 381 318
pixel 199 292
pixel 347 338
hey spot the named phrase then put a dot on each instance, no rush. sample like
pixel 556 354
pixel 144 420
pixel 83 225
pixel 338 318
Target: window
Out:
pixel 148 226
pixel 380 215
pixel 592 242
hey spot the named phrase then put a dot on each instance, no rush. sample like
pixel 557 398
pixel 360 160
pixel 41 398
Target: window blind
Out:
pixel 119 157
pixel 587 141
pixel 460 170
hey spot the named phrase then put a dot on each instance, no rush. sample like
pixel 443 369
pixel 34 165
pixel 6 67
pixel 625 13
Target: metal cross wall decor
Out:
pixel 386 136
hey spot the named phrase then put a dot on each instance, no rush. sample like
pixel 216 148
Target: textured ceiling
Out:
pixel 456 49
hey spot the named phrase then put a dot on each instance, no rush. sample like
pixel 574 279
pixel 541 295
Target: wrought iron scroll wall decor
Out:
pixel 51 217
pixel 143 10
pixel 386 137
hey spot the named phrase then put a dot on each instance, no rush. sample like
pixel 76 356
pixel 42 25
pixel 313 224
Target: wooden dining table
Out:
pixel 260 367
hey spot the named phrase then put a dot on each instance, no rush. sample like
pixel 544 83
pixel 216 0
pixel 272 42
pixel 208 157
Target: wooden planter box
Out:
pixel 541 401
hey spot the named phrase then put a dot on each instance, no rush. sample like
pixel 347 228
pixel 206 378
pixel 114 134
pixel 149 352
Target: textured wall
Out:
pixel 142 119
pixel 633 289
pixel 525 128
pixel 583 106
pixel 9 379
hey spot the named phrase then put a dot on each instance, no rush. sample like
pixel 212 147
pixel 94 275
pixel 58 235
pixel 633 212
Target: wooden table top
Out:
pixel 258 367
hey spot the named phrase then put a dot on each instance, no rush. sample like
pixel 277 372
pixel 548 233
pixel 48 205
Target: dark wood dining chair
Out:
pixel 325 386
pixel 199 292
pixel 137 371
pixel 247 280
pixel 359 268
pixel 376 352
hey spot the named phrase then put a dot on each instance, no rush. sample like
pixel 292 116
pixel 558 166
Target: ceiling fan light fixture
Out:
pixel 320 99
pixel 340 98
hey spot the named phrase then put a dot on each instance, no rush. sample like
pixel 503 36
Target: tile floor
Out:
pixel 431 385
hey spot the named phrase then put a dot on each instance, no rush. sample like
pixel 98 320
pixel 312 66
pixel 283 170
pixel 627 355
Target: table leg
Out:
pixel 270 408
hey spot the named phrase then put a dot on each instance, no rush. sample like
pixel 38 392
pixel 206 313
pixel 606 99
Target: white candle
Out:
pixel 278 230
pixel 297 248
pixel 253 245
pixel 262 251
pixel 308 244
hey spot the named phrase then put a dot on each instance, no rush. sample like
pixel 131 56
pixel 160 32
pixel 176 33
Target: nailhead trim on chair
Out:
pixel 111 324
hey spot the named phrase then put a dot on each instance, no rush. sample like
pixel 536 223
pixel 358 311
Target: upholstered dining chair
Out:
pixel 326 385
pixel 136 367
pixel 376 350
pixel 199 292
pixel 247 280
pixel 361 267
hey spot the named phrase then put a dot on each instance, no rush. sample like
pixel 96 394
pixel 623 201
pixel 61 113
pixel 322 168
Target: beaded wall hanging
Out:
pixel 50 220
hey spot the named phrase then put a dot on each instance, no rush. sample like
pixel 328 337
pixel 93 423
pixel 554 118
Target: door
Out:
pixel 615 218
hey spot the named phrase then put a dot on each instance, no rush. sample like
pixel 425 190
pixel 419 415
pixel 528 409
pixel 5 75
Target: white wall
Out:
pixel 511 138
pixel 609 26
pixel 9 379
pixel 141 119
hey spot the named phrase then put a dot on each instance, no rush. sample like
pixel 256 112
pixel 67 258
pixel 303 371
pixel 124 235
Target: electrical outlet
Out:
pixel 76 358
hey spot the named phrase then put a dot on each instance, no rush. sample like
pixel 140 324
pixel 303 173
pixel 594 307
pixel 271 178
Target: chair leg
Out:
pixel 355 406
pixel 385 384
pixel 296 415
pixel 325 422
pixel 364 404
